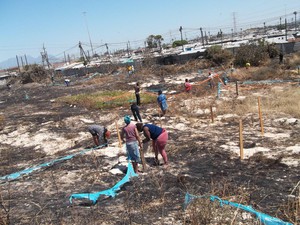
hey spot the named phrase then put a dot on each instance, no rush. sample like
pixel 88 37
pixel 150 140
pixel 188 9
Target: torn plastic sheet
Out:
pixel 27 171
pixel 112 192
pixel 264 218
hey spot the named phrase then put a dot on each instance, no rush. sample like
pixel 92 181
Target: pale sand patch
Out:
pixel 290 161
pixel 277 135
pixel 248 152
pixel 42 139
pixel 295 149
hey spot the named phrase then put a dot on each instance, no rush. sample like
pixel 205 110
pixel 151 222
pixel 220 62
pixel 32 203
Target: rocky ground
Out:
pixel 204 157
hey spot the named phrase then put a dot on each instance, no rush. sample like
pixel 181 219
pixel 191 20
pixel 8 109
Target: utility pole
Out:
pixel 18 64
pixel 83 55
pixel 45 57
pixel 22 62
pixel 25 60
pixel 202 36
pixel 65 57
pixel 84 14
pixel 295 20
pixel 285 24
pixel 106 49
pixel 280 23
pixel 265 28
pixel 180 29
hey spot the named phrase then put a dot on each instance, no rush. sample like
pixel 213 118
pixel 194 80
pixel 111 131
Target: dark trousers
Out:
pixel 136 113
pixel 138 99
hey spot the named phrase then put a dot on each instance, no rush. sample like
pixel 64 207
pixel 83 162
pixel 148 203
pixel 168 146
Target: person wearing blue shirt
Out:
pixel 162 102
pixel 159 138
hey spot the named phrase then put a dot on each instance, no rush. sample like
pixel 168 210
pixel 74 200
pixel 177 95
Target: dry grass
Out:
pixel 285 101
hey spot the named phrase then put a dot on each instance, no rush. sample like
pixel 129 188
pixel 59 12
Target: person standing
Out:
pixel 162 102
pixel 137 93
pixel 187 85
pixel 136 112
pixel 159 138
pixel 100 134
pixel 211 80
pixel 132 140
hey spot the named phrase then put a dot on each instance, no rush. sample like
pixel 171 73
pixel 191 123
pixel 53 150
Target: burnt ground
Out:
pixel 200 152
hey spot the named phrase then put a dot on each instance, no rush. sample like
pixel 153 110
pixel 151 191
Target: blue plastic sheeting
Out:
pixel 16 175
pixel 263 218
pixel 112 192
pixel 269 81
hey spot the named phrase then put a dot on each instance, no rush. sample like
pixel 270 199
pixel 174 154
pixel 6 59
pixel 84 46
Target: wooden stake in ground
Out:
pixel 260 117
pixel 119 136
pixel 236 88
pixel 211 114
pixel 241 140
pixel 143 159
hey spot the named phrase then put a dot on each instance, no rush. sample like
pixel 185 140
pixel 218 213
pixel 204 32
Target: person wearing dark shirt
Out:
pixel 159 138
pixel 136 112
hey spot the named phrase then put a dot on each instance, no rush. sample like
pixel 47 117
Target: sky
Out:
pixel 58 25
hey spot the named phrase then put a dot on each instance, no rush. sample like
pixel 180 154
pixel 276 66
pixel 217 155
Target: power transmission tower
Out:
pixel 234 23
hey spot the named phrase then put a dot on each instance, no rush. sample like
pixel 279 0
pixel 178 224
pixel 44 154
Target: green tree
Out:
pixel 154 41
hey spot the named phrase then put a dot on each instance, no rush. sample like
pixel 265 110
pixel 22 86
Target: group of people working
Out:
pixel 130 133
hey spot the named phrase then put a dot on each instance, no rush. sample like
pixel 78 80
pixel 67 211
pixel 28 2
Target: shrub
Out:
pixel 34 73
pixel 255 53
pixel 217 55
pixel 179 43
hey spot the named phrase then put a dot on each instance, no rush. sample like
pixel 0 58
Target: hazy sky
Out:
pixel 27 25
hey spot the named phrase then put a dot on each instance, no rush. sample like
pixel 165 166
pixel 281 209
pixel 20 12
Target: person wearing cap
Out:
pixel 133 141
pixel 159 138
pixel 100 134
pixel 162 102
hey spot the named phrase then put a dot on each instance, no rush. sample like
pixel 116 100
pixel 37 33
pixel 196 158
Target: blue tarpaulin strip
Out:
pixel 264 218
pixel 112 192
pixel 16 175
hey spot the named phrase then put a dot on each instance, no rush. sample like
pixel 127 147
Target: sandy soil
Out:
pixel 204 157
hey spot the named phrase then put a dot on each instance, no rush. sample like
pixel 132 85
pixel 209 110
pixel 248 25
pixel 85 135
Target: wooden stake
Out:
pixel 260 117
pixel 143 159
pixel 119 136
pixel 236 88
pixel 211 114
pixel 241 140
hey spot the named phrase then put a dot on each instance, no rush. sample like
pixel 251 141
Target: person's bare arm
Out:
pixel 146 134
pixel 138 138
pixel 122 135
pixel 96 140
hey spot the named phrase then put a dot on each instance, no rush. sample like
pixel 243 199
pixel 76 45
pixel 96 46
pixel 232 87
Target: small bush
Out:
pixel 218 56
pixel 34 73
